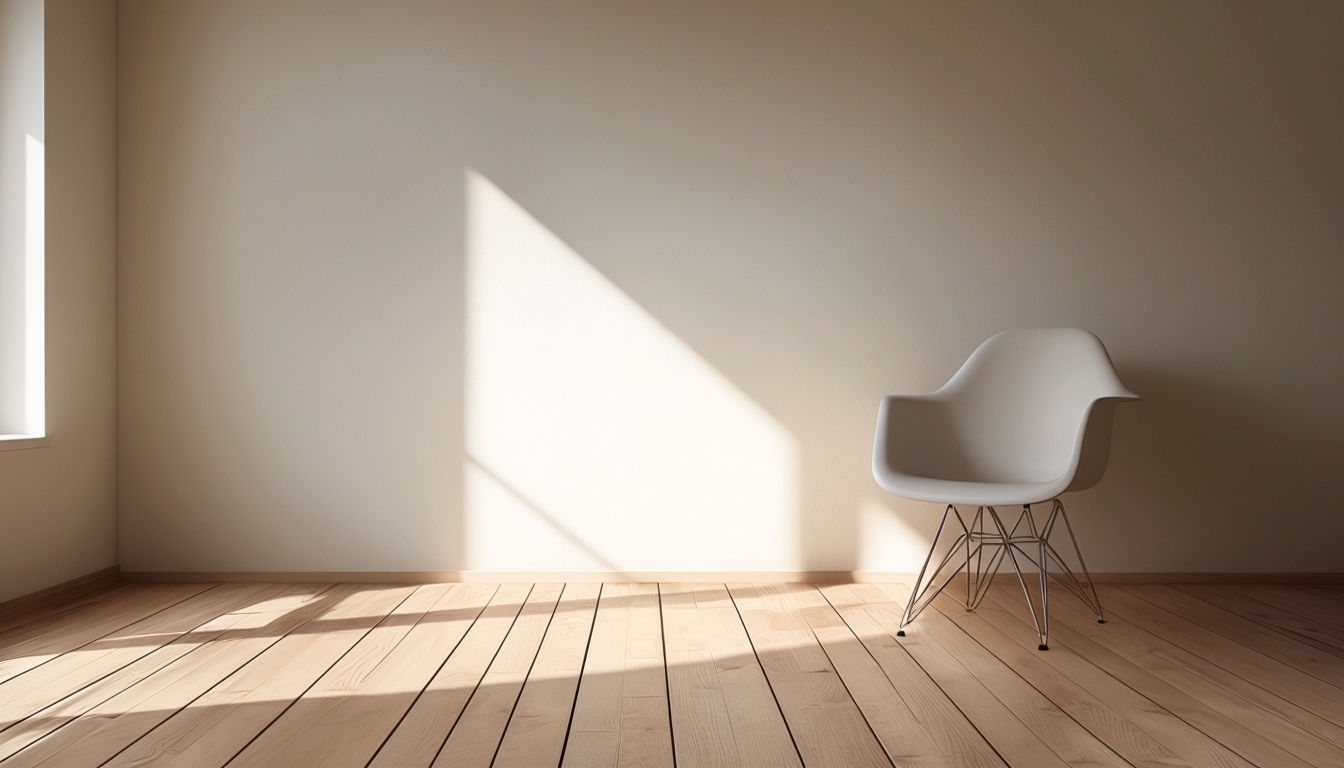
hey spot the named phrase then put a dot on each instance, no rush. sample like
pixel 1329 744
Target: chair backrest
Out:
pixel 1022 402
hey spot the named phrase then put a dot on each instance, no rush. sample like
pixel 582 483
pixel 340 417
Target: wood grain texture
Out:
pixel 1015 717
pixel 1321 607
pixel 536 731
pixel 954 736
pixel 344 717
pixel 152 637
pixel 1123 731
pixel 30 645
pixel 671 675
pixel 1150 666
pixel 704 732
pixel 221 722
pixel 723 709
pixel 1307 630
pixel 1152 735
pixel 113 713
pixel 1241 635
pixel 478 733
pixel 417 739
pixel 827 725
pixel 597 707
pixel 1296 696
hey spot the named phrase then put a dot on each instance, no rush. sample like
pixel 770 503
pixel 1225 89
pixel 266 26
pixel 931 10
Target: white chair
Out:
pixel 1026 418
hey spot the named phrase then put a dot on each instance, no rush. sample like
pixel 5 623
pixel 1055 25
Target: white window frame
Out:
pixel 23 412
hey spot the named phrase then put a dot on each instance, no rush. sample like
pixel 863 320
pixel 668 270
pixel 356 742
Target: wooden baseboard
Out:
pixel 428 577
pixel 1181 577
pixel 1149 577
pixel 60 593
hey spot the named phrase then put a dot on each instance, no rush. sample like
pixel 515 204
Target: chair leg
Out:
pixel 1013 544
pixel 1084 588
pixel 920 596
pixel 983 574
pixel 988 530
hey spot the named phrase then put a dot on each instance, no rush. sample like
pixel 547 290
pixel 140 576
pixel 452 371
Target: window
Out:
pixel 22 224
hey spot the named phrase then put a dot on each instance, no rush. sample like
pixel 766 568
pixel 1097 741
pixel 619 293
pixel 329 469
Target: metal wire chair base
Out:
pixel 987 532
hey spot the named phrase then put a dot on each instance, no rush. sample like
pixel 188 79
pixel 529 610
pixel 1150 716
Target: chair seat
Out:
pixel 969 492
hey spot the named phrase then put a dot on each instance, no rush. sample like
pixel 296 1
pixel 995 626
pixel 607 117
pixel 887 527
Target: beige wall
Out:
pixel 58 510
pixel 459 285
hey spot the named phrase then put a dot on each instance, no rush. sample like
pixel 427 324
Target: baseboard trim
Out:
pixel 825 577
pixel 61 593
pixel 431 577
pixel 1181 577
pixel 1121 578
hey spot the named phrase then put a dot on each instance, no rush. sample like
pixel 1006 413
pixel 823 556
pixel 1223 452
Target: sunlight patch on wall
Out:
pixel 595 438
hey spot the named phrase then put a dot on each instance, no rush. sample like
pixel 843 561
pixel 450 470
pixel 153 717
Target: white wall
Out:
pixel 57 502
pixel 416 286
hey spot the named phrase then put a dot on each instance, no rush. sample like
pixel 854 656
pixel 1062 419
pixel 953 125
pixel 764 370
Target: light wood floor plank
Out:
pixel 1152 667
pixel 759 730
pixel 344 717
pixel 1052 725
pixel 827 725
pixel 595 727
pixel 952 733
pixel 1016 743
pixel 1303 700
pixel 1319 636
pixel 96 708
pixel 1325 667
pixel 1122 729
pixel 425 727
pixel 723 710
pixel 646 720
pixel 643 676
pixel 47 614
pixel 101 720
pixel 702 731
pixel 34 644
pixel 907 741
pixel 220 723
pixel 621 714
pixel 1172 735
pixel 32 691
pixel 1327 611
pixel 646 737
pixel 535 736
pixel 670 676
pixel 477 735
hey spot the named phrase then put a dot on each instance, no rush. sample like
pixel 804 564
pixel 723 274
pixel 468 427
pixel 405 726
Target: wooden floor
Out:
pixel 670 675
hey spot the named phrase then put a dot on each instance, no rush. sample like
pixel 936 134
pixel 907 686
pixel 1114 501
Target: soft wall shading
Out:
pixel 58 508
pixel 821 202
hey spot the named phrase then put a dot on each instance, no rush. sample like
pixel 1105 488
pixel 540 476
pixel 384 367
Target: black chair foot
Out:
pixel 900 633
pixel 1101 621
pixel 1042 647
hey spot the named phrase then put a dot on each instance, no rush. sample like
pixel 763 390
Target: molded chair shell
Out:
pixel 1027 417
